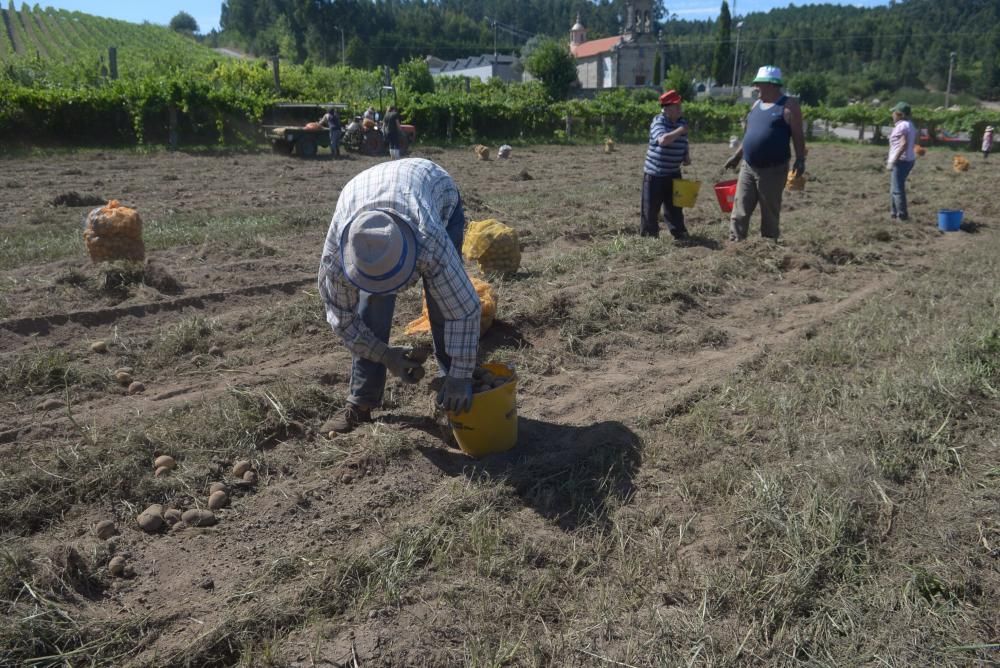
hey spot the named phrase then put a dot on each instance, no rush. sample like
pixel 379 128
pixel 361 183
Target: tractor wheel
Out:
pixel 306 147
pixel 281 147
pixel 373 143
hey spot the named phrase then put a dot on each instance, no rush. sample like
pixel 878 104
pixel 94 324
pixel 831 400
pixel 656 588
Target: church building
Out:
pixel 625 60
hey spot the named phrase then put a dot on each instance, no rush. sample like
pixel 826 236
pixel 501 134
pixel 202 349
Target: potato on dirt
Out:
pixel 217 500
pixel 198 518
pixel 136 388
pixel 117 566
pixel 165 460
pixel 105 529
pixel 99 347
pixel 161 471
pixel 172 516
pixel 151 519
pixel 123 378
pixel 241 467
pixel 216 487
pixel 250 477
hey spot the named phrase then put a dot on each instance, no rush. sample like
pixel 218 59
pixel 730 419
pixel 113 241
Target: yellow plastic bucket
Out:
pixel 686 192
pixel 490 426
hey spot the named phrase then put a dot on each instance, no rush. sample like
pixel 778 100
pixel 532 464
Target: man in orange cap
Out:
pixel 667 151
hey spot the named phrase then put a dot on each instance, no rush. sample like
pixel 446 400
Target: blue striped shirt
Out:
pixel 665 160
pixel 423 195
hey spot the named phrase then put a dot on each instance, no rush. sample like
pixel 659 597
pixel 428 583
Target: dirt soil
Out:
pixel 613 335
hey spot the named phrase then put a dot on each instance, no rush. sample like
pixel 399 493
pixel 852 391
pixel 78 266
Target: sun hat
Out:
pixel 989 128
pixel 902 108
pixel 769 74
pixel 670 97
pixel 378 252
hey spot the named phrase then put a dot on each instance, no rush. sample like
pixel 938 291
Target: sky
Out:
pixel 207 13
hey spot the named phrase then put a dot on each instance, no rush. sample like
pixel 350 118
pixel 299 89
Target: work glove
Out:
pixel 455 395
pixel 799 167
pixel 397 361
pixel 733 161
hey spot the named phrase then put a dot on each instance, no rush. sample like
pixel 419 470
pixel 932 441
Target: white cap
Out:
pixel 769 74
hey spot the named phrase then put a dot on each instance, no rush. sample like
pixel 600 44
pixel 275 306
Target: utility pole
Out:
pixel 736 56
pixel 343 58
pixel 951 67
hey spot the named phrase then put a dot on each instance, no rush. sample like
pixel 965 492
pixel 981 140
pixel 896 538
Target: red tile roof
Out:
pixel 595 46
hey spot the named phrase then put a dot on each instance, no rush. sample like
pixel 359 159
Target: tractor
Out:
pixel 368 137
pixel 292 128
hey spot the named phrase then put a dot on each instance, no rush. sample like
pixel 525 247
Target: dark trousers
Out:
pixel 367 376
pixel 657 193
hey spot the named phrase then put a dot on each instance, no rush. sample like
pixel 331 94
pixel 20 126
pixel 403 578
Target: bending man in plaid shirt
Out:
pixel 394 223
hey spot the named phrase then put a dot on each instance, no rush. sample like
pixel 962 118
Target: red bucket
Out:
pixel 725 192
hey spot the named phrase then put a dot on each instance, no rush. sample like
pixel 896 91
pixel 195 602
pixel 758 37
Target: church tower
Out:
pixel 639 17
pixel 577 34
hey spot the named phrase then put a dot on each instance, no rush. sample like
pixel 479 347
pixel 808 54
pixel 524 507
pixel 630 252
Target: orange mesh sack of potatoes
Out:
pixel 487 302
pixel 960 164
pixel 493 245
pixel 795 182
pixel 114 232
pixel 482 152
pixel 920 150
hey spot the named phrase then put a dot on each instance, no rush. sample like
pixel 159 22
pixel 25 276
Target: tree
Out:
pixel 553 64
pixel 680 81
pixel 414 76
pixel 811 88
pixel 722 61
pixel 184 22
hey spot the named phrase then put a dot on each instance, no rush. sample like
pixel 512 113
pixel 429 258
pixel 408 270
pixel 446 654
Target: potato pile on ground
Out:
pixel 114 232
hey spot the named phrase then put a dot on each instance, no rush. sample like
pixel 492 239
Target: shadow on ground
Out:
pixel 573 475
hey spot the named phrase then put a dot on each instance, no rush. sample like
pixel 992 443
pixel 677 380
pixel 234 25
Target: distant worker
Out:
pixel 368 122
pixel 764 155
pixel 394 223
pixel 392 132
pixel 987 141
pixel 902 157
pixel 331 121
pixel 667 151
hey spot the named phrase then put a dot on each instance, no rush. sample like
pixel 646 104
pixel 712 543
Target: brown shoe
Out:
pixel 346 419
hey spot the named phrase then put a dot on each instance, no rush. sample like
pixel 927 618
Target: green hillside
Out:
pixel 74 43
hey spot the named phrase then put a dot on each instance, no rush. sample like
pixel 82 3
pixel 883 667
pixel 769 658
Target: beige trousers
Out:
pixel 755 186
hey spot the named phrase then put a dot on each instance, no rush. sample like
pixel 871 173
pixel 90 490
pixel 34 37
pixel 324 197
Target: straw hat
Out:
pixel 769 74
pixel 379 253
pixel 989 128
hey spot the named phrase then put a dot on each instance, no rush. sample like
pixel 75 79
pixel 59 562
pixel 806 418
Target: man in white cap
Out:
pixel 764 156
pixel 394 223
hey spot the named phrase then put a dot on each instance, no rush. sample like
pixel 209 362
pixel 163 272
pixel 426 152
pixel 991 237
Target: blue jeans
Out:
pixel 335 142
pixel 368 377
pixel 897 188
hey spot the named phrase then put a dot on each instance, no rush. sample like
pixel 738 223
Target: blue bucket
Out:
pixel 949 220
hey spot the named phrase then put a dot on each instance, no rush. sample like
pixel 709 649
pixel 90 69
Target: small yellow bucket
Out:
pixel 686 192
pixel 490 426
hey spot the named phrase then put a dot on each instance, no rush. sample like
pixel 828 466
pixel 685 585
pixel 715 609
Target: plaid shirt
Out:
pixel 424 196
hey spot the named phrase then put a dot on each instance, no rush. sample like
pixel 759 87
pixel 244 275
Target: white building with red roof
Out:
pixel 625 60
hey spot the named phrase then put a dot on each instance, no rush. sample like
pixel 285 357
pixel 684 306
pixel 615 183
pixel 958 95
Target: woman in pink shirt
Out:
pixel 987 141
pixel 902 145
